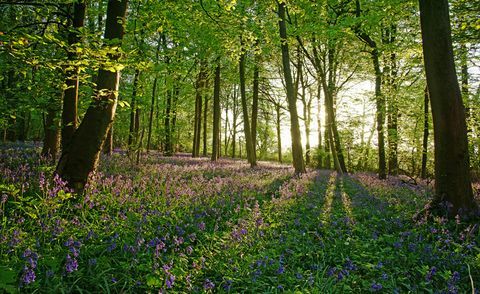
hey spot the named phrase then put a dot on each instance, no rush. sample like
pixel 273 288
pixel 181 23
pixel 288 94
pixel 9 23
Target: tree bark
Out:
pixel 234 122
pixel 216 115
pixel 392 109
pixel 205 126
pixel 423 174
pixel 255 107
pixel 297 151
pixel 80 158
pixel 246 121
pixel 70 95
pixel 380 103
pixel 379 99
pixel 200 85
pixel 51 135
pixel 279 132
pixel 167 151
pixel 226 129
pixel 133 133
pixel 154 97
pixel 452 174
pixel 173 128
pixel 108 144
pixel 319 123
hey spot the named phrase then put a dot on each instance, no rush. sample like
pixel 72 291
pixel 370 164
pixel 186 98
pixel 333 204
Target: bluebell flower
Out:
pixel 170 281
pixel 208 284
pixel 71 265
pixel 431 273
pixel 28 275
pixel 228 285
pixel 376 287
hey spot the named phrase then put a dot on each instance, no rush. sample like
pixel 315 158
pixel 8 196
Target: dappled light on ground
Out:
pixel 329 196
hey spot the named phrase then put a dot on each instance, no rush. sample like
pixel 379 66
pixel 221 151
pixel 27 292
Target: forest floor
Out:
pixel 188 225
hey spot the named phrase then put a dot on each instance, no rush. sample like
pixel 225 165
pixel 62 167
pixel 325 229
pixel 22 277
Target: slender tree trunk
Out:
pixel 452 174
pixel 279 132
pixel 80 158
pixel 246 121
pixel 150 116
pixel 297 151
pixel 234 122
pixel 133 134
pixel 306 109
pixel 392 110
pixel 379 99
pixel 331 125
pixel 51 137
pixel 319 123
pixel 380 103
pixel 205 126
pixel 225 135
pixel 70 95
pixel 425 135
pixel 173 129
pixel 200 85
pixel 255 107
pixel 216 115
pixel 154 97
pixel 168 129
pixel 328 157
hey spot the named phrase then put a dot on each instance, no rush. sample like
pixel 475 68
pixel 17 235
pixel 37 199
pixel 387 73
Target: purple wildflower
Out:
pixel 431 273
pixel 376 287
pixel 71 265
pixel 207 285
pixel 28 275
pixel 170 281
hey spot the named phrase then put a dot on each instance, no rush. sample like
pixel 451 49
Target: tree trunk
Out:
pixel 380 103
pixel 452 174
pixel 331 124
pixel 234 122
pixel 133 134
pixel 173 128
pixel 154 97
pixel 297 151
pixel 226 129
pixel 200 85
pixel 306 108
pixel 255 107
pixel 246 121
pixel 425 135
pixel 319 123
pixel 108 144
pixel 167 151
pixel 216 115
pixel 51 136
pixel 279 133
pixel 205 127
pixel 80 158
pixel 379 99
pixel 392 110
pixel 70 95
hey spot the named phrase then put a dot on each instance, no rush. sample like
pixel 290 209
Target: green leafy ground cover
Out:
pixel 187 225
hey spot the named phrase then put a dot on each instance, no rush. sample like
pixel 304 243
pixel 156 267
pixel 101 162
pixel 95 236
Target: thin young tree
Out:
pixel 216 115
pixel 297 150
pixel 70 95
